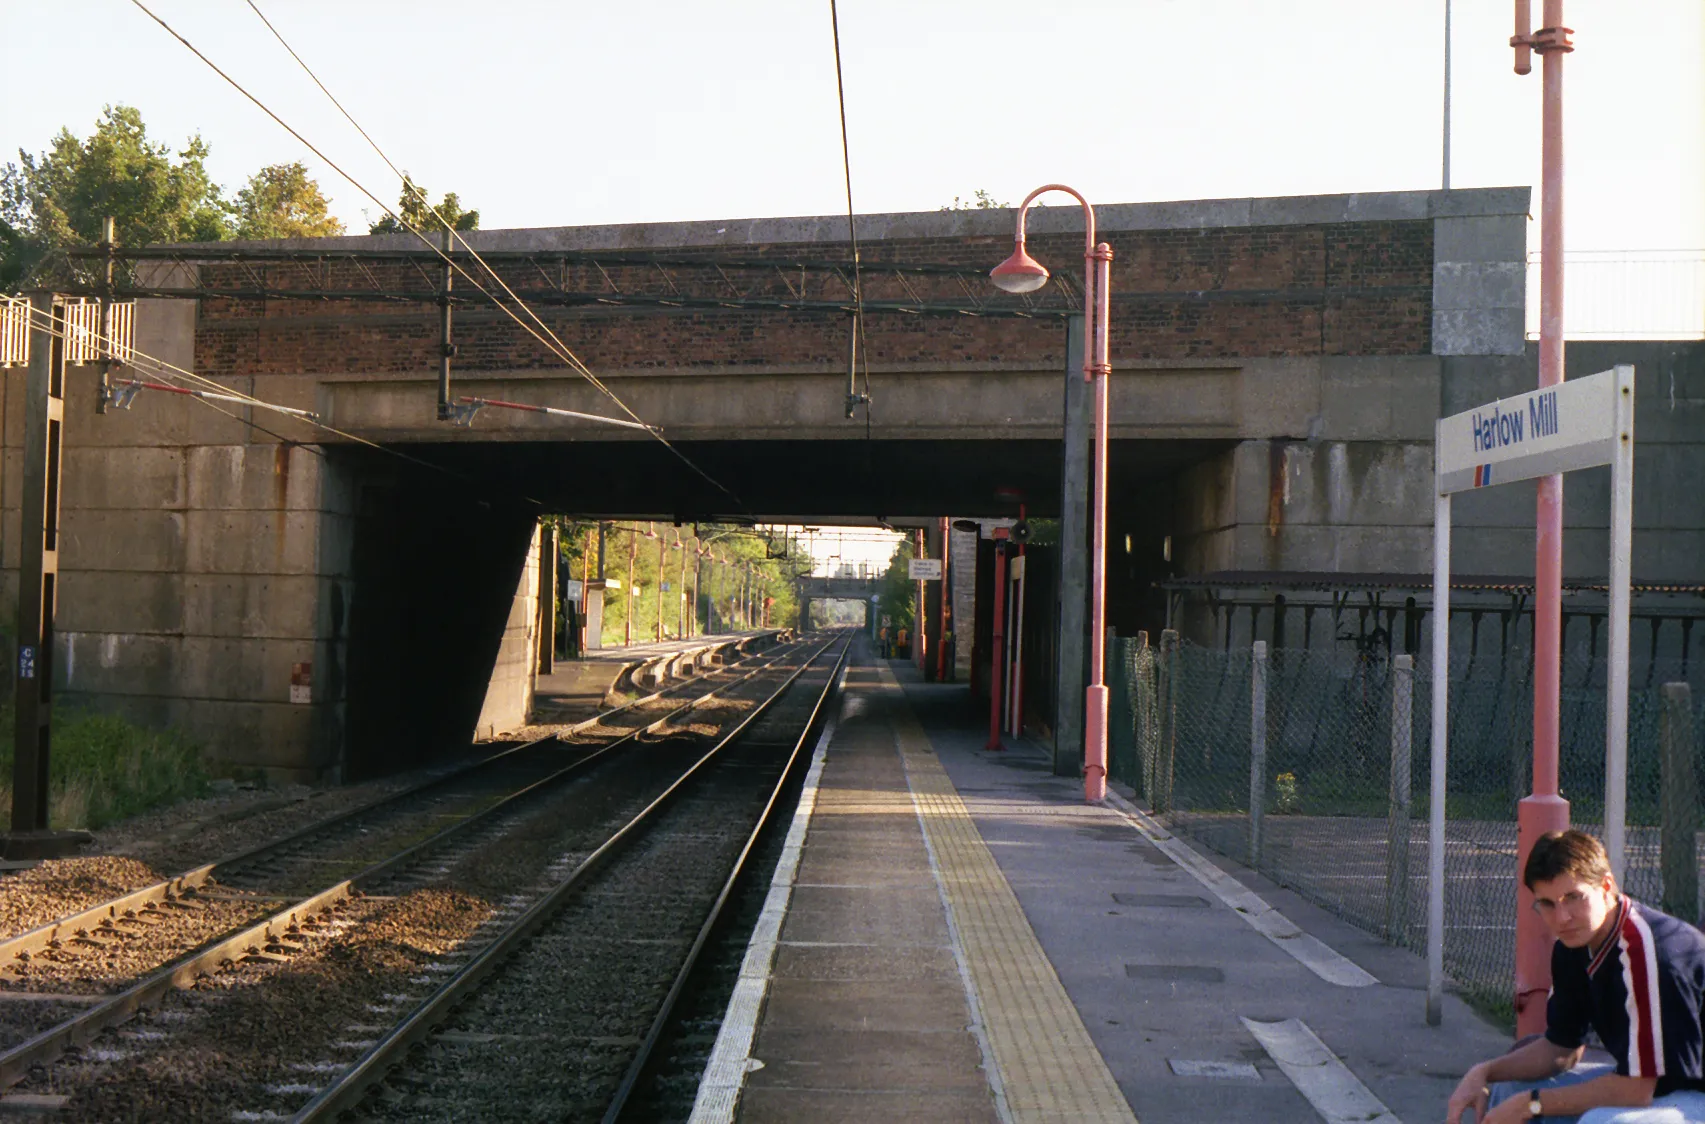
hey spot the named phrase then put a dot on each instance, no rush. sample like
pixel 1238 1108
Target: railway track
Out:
pixel 341 960
pixel 556 1017
pixel 66 982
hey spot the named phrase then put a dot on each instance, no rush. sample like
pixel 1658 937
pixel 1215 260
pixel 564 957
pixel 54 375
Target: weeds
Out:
pixel 104 768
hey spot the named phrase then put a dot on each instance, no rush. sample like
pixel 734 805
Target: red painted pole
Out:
pixel 1544 810
pixel 921 628
pixel 945 615
pixel 997 650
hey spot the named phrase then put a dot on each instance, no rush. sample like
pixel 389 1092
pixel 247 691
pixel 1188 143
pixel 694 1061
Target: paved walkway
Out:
pixel 956 936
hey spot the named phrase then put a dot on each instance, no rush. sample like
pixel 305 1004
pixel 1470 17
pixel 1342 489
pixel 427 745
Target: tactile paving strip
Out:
pixel 1049 1068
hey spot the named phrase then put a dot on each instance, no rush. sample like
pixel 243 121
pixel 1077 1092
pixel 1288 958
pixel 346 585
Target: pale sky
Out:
pixel 549 114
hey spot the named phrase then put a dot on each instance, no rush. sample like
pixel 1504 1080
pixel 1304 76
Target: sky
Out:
pixel 577 112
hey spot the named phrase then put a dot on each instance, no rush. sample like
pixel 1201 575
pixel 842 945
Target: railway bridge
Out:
pixel 332 599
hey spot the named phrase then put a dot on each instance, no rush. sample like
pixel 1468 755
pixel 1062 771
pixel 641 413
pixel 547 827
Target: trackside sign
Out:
pixel 1559 429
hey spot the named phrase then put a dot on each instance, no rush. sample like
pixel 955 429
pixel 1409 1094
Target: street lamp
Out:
pixel 1022 273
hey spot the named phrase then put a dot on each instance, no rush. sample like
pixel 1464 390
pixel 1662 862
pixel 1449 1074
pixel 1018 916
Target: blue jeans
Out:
pixel 1687 1107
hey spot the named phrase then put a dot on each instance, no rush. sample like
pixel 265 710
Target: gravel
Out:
pixel 260 1036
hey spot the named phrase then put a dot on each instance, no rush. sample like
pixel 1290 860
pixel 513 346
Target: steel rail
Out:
pixel 660 1023
pixel 105 916
pixel 347 1090
pixel 286 924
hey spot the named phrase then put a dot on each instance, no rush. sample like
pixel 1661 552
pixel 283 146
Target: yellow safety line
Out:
pixel 1049 1068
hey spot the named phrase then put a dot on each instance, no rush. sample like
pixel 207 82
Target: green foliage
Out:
pixel 282 201
pixel 59 197
pixel 980 201
pixel 105 769
pixel 413 206
pixel 898 591
pixel 155 195
pixel 717 581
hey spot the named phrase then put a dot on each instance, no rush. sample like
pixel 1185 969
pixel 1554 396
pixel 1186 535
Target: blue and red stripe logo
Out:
pixel 1482 475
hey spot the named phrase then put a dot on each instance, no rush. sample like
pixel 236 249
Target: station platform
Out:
pixel 578 689
pixel 955 935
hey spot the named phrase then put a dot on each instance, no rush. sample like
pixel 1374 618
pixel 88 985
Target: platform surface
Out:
pixel 965 939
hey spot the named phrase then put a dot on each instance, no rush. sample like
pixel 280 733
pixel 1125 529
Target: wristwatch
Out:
pixel 1533 1109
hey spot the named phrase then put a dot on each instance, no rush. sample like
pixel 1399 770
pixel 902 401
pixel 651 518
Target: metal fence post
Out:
pixel 1166 685
pixel 1257 748
pixel 1397 813
pixel 1680 804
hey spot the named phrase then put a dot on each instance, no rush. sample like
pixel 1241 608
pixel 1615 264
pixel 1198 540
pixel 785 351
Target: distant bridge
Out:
pixel 821 588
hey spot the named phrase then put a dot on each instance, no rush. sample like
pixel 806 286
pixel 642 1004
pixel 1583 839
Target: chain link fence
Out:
pixel 1313 767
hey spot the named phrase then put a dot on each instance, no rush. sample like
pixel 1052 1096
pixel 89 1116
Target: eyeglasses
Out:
pixel 1571 901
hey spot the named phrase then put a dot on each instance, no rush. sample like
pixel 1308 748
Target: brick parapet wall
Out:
pixel 1354 288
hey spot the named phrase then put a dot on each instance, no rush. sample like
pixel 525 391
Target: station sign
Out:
pixel 1560 428
pixel 573 590
pixel 924 569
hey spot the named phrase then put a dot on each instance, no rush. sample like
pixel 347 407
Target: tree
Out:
pixel 60 197
pixel 414 208
pixel 898 590
pixel 282 201
pixel 979 201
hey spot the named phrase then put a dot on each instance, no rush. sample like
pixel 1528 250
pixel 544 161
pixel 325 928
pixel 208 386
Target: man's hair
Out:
pixel 1557 853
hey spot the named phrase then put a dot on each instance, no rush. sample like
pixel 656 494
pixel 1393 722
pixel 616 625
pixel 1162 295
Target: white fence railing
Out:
pixel 84 339
pixel 1627 295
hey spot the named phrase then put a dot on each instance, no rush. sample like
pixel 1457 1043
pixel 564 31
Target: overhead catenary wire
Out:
pixel 161 368
pixel 573 361
pixel 554 342
pixel 852 227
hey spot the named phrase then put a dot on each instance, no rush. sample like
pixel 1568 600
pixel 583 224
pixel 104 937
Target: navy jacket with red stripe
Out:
pixel 1643 992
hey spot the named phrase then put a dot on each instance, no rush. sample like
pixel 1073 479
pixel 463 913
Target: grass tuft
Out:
pixel 104 768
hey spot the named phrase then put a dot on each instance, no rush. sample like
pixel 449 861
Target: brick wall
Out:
pixel 1360 288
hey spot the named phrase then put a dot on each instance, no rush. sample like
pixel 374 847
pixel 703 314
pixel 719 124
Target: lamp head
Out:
pixel 1020 273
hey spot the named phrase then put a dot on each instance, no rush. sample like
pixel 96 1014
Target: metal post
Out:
pixel 1166 694
pixel 1446 175
pixel 586 637
pixel 1095 695
pixel 109 338
pixel 681 594
pixel 1616 685
pixel 547 599
pixel 1017 693
pixel 944 618
pixel 921 623
pixel 446 348
pixel 1544 810
pixel 627 594
pixel 1436 790
pixel 1073 580
pixel 1679 814
pixel 997 648
pixel 38 539
pixel 659 536
pixel 1398 799
pixel 1257 748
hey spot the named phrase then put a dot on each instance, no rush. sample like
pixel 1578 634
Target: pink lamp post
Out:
pixel 1022 273
pixel 1545 809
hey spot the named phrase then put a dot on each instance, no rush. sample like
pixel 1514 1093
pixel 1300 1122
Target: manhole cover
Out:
pixel 1162 901
pixel 1200 973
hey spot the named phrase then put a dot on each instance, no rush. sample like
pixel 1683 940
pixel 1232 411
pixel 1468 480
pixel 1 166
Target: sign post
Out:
pixel 1582 423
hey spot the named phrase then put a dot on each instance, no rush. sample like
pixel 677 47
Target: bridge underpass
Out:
pixel 1272 406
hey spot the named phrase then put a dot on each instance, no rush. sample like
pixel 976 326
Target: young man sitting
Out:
pixel 1634 975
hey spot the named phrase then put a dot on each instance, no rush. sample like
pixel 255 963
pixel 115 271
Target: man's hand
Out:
pixel 1471 1093
pixel 1512 1111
